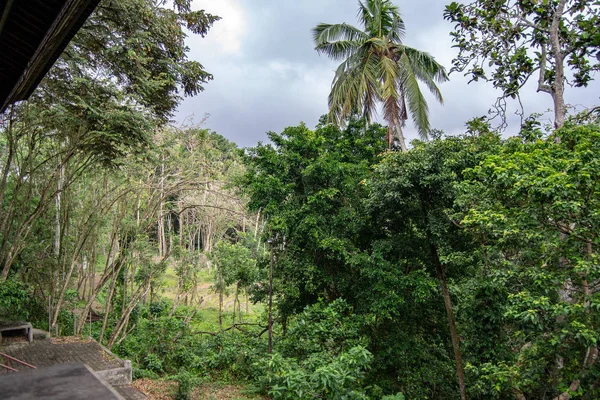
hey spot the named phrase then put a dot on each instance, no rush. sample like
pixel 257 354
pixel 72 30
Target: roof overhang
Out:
pixel 33 34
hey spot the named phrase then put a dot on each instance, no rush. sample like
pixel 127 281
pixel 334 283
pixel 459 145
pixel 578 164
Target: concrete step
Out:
pixel 130 393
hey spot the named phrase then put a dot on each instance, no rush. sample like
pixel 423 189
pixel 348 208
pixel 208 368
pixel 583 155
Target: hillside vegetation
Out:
pixel 335 262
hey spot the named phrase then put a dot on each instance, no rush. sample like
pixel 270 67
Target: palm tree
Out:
pixel 377 67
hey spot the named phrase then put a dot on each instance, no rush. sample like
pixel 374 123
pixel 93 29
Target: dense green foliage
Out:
pixel 498 234
pixel 116 83
pixel 464 267
pixel 534 208
pixel 308 183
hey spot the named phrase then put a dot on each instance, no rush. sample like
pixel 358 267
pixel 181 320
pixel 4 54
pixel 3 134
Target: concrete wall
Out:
pixel 117 376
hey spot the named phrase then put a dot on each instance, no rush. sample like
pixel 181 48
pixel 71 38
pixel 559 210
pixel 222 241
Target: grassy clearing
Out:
pixel 207 319
pixel 207 316
pixel 205 291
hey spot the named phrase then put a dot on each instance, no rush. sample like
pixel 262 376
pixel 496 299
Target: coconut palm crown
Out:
pixel 378 68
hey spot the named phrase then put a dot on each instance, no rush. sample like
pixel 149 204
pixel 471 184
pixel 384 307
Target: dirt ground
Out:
pixel 165 390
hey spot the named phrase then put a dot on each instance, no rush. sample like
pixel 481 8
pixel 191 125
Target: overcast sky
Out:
pixel 267 75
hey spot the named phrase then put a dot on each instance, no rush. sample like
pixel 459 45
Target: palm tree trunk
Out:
pixel 401 140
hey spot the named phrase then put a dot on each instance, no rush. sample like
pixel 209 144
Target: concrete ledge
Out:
pixel 39 334
pixel 117 376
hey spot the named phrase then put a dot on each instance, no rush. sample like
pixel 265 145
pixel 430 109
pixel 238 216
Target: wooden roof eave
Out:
pixel 69 20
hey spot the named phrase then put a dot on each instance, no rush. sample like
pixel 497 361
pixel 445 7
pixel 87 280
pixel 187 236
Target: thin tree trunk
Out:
pixel 591 355
pixel 270 327
pixel 109 269
pixel 9 157
pixel 8 253
pixel 161 219
pixel 558 88
pixel 181 219
pixel 451 322
pixel 124 293
pixel 170 230
pixel 82 240
pixel 236 303
pixel 441 275
pixel 221 307
pixel 107 308
pixel 82 281
pixel 124 320
pixel 57 248
pixel 57 218
pixel 247 306
pixel 92 275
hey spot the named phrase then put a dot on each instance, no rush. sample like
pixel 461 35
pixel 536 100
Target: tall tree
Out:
pixel 378 67
pixel 118 80
pixel 533 207
pixel 135 49
pixel 411 199
pixel 510 42
pixel 308 185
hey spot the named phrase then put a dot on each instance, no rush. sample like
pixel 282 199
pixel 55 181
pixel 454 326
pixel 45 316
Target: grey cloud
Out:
pixel 278 80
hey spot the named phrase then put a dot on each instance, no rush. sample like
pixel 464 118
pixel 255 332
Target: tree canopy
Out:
pixel 510 42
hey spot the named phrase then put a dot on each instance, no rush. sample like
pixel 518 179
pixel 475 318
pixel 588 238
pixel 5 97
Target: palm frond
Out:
pixel 389 74
pixel 344 90
pixel 339 50
pixel 365 16
pixel 327 33
pixel 397 31
pixel 426 69
pixel 355 88
pixel 391 97
pixel 338 41
pixel 426 64
pixel 417 104
pixel 380 17
pixel 371 88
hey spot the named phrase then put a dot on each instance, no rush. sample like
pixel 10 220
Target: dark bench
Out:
pixel 16 326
